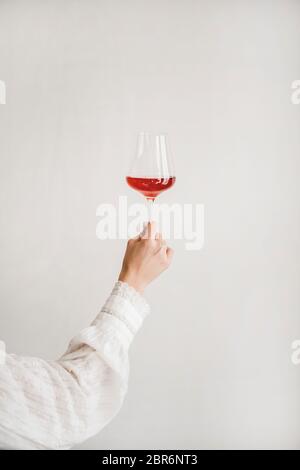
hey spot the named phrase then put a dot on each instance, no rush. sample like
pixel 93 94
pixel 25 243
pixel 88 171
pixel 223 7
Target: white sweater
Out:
pixel 57 404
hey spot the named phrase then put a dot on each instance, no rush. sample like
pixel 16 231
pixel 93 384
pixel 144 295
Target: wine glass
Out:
pixel 152 170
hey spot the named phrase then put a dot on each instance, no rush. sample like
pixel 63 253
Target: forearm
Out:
pixel 58 404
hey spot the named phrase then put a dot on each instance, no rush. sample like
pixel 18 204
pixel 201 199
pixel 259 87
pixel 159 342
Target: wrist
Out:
pixel 132 280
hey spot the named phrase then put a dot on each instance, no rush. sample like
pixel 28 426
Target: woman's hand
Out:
pixel 146 257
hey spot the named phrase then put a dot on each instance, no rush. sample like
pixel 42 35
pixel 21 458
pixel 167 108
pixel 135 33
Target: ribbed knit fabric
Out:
pixel 57 404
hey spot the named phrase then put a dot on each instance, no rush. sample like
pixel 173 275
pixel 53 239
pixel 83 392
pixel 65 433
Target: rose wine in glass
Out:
pixel 152 171
pixel 150 187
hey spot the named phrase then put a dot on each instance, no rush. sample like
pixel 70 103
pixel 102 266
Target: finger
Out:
pixel 161 242
pixel 170 253
pixel 143 230
pixel 140 234
pixel 150 231
pixel 145 233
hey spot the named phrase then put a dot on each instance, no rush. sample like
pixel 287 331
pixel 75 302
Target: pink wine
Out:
pixel 151 187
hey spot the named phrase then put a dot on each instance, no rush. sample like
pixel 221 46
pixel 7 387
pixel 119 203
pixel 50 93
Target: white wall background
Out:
pixel 211 367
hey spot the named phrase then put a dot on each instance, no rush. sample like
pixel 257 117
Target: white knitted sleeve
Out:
pixel 55 405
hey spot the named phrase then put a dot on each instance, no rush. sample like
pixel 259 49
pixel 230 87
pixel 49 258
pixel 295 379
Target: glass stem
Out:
pixel 150 203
